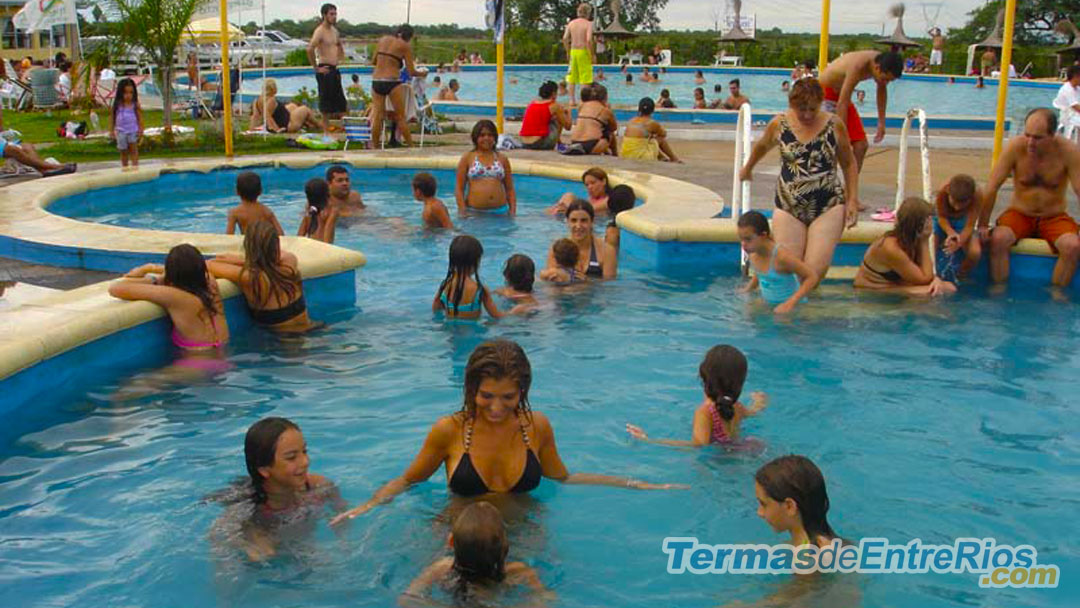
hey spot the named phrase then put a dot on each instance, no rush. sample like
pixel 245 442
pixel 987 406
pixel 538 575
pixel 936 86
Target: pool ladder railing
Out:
pixel 740 190
pixel 901 166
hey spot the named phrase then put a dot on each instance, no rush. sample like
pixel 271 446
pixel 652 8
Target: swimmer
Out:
pixel 478 539
pixel 461 294
pixel 597 188
pixel 565 273
pixel 792 499
pixel 520 274
pixel 785 86
pixel 784 279
pixel 250 210
pixel 699 77
pixel 860 96
pixel 600 75
pixel 622 199
pixel 699 99
pixel 595 260
pixel 899 260
pixel 485 180
pixel 320 218
pixel 665 101
pixel 435 214
pixel 343 198
pixel 269 279
pixel 958 205
pixel 719 417
pixel 629 80
pixel 281 491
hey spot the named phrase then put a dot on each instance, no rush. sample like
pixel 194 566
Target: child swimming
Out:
pixel 479 564
pixel 719 418
pixel 566 256
pixel 791 498
pixel 250 210
pixel 320 217
pixel 520 274
pixel 784 279
pixel 958 205
pixel 461 293
pixel 435 214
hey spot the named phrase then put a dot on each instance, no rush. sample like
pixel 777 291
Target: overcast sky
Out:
pixel 848 16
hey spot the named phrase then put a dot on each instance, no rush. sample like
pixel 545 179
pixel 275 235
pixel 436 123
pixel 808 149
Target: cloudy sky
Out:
pixel 848 16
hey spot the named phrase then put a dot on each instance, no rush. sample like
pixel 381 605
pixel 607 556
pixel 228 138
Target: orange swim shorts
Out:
pixel 852 121
pixel 1050 229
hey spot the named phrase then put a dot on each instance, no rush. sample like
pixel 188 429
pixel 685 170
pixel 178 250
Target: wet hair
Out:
pixel 699 74
pixel 755 220
pixel 262 255
pixel 465 254
pixel 910 219
pixel 118 98
pixel 723 372
pixel 698 91
pixel 718 88
pixel 735 81
pixel 404 31
pixel 356 78
pixel 891 63
pixel 185 269
pixel 425 183
pixel 962 188
pixel 600 174
pixel 326 8
pixel 1072 71
pixel 436 80
pixel 548 90
pixel 664 93
pixel 629 78
pixel 480 547
pixel 785 83
pixel 806 92
pixel 497 359
pixel 621 199
pixel 318 197
pixel 799 479
pixel 520 272
pixel 479 128
pixel 249 186
pixel 334 170
pixel 566 252
pixel 453 84
pixel 646 106
pixel 580 204
pixel 1048 115
pixel 260 450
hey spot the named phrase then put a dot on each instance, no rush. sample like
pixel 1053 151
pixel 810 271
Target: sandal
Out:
pixel 62 170
pixel 884 215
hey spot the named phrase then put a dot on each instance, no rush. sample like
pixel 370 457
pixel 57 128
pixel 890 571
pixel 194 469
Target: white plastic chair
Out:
pixel 665 58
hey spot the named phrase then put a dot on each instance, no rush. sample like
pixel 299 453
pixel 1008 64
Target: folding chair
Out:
pixel 20 96
pixel 357 130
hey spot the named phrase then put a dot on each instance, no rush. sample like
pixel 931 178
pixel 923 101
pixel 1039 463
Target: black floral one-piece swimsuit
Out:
pixel 809 184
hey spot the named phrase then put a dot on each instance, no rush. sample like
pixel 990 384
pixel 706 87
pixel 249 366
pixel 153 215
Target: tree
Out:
pixel 554 14
pixel 1035 20
pixel 156 27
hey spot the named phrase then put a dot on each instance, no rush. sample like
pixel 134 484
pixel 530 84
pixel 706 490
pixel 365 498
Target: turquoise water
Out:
pixel 930 420
pixel 937 98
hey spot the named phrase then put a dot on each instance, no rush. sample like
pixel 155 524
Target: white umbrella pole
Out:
pixel 265 119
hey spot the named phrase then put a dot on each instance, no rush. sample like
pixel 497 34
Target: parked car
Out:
pixel 283 39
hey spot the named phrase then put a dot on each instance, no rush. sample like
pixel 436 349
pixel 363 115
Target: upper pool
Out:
pixel 930 420
pixel 935 96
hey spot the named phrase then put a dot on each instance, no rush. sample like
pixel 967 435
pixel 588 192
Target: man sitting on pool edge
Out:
pixel 1042 164
pixel 342 197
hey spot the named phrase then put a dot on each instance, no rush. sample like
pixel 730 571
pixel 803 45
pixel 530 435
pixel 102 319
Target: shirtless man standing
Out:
pixel 1042 165
pixel 343 198
pixel 577 39
pixel 839 80
pixel 325 53
pixel 937 53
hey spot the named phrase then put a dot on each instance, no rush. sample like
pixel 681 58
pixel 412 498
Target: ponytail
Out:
pixel 723 372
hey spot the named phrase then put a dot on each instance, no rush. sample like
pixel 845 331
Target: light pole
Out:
pixel 408 11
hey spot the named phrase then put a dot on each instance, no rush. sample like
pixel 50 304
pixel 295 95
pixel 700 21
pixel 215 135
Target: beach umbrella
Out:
pixel 898 39
pixel 994 40
pixel 208 31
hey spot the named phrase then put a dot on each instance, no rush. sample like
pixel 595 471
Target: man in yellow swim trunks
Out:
pixel 578 40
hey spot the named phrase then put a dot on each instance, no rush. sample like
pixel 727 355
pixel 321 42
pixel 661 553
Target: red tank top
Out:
pixel 536 120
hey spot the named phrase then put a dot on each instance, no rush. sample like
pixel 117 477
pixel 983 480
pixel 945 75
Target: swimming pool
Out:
pixel 933 95
pixel 929 420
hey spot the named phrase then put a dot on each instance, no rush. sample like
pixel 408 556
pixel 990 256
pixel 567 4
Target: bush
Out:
pixel 297 57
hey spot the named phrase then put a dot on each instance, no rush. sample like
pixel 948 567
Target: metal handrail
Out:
pixel 740 190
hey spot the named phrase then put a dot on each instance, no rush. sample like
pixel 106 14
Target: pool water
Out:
pixel 937 98
pixel 930 420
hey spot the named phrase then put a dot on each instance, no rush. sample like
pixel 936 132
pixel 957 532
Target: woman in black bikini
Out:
pixel 472 444
pixel 899 260
pixel 392 54
pixel 596 126
pixel 269 278
pixel 812 206
pixel 597 259
pixel 279 117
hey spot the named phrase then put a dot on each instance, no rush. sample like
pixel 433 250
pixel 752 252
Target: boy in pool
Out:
pixel 520 274
pixel 250 210
pixel 435 214
pixel 958 205
pixel 566 256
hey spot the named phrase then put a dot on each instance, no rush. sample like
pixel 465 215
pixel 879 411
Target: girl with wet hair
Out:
pixel 320 218
pixel 719 417
pixel 783 279
pixel 269 279
pixel 478 539
pixel 791 498
pixel 182 287
pixel 899 261
pixel 461 294
pixel 496 443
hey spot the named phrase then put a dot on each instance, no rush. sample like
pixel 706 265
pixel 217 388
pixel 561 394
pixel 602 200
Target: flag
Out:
pixel 494 19
pixel 42 15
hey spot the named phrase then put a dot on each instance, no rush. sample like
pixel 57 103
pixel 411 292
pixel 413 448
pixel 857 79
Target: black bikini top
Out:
pixel 466 481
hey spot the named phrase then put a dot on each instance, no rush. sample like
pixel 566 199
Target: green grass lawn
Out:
pixel 39 128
